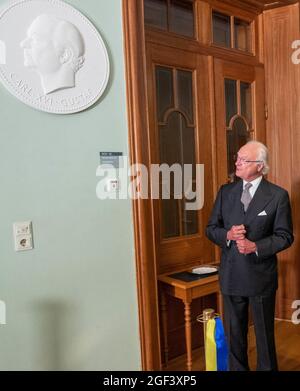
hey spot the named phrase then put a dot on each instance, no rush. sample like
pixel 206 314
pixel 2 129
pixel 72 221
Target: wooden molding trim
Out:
pixel 135 57
pixel 236 7
pixel 191 45
pixel 257 6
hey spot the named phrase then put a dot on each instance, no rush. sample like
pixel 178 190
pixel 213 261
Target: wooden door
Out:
pixel 179 123
pixel 239 112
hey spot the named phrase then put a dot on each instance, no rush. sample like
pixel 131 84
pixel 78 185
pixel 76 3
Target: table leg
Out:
pixel 164 316
pixel 188 334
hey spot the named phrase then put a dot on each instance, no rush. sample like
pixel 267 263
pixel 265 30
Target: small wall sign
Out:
pixel 113 159
pixel 52 56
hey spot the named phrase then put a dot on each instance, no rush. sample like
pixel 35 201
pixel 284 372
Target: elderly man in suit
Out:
pixel 251 222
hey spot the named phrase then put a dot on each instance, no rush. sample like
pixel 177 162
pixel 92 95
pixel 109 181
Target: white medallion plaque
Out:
pixel 51 56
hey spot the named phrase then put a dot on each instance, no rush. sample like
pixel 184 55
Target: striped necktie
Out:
pixel 246 196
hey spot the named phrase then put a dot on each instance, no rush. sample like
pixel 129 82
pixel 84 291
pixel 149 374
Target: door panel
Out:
pixel 249 116
pixel 180 121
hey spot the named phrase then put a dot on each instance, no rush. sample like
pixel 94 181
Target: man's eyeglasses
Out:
pixel 245 161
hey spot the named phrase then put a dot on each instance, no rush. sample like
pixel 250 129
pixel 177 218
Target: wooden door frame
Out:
pixel 135 56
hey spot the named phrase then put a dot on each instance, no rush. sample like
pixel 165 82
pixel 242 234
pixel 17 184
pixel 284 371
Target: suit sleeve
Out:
pixel 215 230
pixel 282 236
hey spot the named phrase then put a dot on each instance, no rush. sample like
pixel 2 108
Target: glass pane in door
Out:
pixel 185 93
pixel 221 29
pixel 182 17
pixel 246 102
pixel 164 91
pixel 177 145
pixel 236 138
pixel 230 99
pixel 170 218
pixel 242 34
pixel 156 13
pixel 189 219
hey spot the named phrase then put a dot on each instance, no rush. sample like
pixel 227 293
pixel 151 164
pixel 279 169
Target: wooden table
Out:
pixel 187 292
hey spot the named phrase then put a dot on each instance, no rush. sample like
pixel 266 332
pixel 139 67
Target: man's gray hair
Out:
pixel 262 155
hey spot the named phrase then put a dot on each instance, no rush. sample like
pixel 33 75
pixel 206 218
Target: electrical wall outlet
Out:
pixel 113 185
pixel 23 236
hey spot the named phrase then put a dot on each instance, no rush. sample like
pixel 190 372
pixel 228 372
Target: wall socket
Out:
pixel 113 185
pixel 23 236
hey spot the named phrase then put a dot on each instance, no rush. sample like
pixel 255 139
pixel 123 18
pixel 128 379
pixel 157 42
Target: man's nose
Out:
pixel 25 43
pixel 238 161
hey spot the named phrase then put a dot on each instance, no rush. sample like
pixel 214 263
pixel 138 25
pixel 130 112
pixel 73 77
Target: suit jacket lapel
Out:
pixel 262 197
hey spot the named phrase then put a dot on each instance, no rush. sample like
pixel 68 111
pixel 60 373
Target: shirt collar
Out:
pixel 255 183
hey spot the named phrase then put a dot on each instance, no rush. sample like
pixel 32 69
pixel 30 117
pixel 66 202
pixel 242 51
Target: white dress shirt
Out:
pixel 255 183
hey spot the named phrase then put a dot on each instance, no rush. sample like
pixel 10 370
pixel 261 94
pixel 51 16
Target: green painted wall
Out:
pixel 71 302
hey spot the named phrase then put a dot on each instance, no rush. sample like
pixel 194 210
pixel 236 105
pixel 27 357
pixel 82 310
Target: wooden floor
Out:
pixel 288 350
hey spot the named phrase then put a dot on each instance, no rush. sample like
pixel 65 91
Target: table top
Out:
pixel 165 278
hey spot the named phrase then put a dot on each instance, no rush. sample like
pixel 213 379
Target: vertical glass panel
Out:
pixel 164 90
pixel 189 217
pixel 156 12
pixel 177 141
pixel 177 145
pixel 230 99
pixel 170 218
pixel 185 92
pixel 182 17
pixel 170 143
pixel 221 29
pixel 246 102
pixel 231 156
pixel 236 137
pixel 190 221
pixel 188 145
pixel 170 153
pixel 242 35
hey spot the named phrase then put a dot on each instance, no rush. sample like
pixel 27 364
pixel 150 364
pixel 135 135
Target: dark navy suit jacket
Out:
pixel 272 231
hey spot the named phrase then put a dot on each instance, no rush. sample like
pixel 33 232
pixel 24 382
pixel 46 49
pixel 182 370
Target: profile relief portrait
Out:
pixel 54 48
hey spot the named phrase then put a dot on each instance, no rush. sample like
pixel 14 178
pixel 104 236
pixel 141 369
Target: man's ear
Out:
pixel 260 167
pixel 65 56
